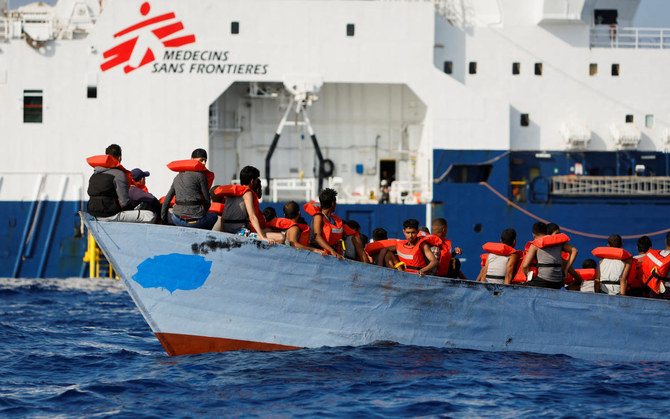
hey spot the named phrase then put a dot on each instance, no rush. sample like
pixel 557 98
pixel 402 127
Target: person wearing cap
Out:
pixel 139 195
pixel 191 192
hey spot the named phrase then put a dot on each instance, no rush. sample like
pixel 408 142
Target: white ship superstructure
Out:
pixel 399 89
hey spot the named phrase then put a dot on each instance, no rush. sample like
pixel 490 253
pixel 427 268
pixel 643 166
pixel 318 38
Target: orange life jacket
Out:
pixel 239 190
pixel 635 276
pixel 520 277
pixel 655 270
pixel 501 249
pixel 445 255
pixel 606 252
pixel 553 240
pixel 587 274
pixel 412 257
pixel 376 247
pixel 283 224
pixel 191 165
pixel 105 160
pixel 332 233
pixel 216 207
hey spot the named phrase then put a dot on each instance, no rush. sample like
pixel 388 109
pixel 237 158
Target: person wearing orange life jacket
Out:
pixel 414 252
pixel 297 233
pixel 328 229
pixel 382 249
pixel 108 190
pixel 588 275
pixel 614 267
pixel 572 275
pixel 551 268
pixel 241 213
pixel 190 189
pixel 636 287
pixel 655 267
pixel 502 261
pixel 448 265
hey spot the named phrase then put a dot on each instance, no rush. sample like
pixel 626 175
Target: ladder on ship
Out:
pixel 99 266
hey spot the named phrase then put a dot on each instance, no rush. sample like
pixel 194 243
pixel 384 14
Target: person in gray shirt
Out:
pixel 192 199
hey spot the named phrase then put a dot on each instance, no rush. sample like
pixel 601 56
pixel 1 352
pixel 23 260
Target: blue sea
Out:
pixel 79 347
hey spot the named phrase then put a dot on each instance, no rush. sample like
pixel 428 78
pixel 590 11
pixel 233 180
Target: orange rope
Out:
pixel 569 230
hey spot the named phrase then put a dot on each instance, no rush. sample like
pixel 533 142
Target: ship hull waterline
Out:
pixel 203 291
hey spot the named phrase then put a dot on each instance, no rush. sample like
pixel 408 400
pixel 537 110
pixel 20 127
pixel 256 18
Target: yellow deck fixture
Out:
pixel 97 262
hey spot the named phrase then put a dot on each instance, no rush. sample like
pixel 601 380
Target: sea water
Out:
pixel 79 347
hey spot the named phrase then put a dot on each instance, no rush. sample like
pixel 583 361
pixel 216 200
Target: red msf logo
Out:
pixel 127 52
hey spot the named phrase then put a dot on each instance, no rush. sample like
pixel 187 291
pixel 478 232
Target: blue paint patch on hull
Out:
pixel 173 272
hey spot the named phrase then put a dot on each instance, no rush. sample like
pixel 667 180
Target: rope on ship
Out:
pixel 569 230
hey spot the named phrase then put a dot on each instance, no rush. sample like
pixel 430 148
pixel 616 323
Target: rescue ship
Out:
pixel 491 114
pixel 204 291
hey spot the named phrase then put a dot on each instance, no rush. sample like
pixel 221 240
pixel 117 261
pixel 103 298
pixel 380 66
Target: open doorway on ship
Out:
pixel 362 130
pixel 386 178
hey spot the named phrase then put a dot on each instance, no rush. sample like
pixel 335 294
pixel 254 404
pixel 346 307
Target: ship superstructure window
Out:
pixel 593 69
pixel 472 67
pixel 649 121
pixel 538 69
pixel 351 29
pixel 91 92
pixel 235 28
pixel 525 120
pixel 615 69
pixel 629 119
pixel 448 67
pixel 516 68
pixel 605 16
pixel 32 106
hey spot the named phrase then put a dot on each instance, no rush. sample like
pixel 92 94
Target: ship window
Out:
pixel 468 173
pixel 605 16
pixel 472 67
pixel 593 69
pixel 351 28
pixel 448 67
pixel 649 121
pixel 538 69
pixel 516 68
pixel 32 106
pixel 615 69
pixel 525 120
pixel 234 28
pixel 91 92
pixel 629 119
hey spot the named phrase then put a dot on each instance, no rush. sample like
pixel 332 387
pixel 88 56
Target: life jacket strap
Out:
pixel 548 265
pixel 495 276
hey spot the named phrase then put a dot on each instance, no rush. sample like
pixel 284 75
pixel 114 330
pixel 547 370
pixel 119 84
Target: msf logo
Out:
pixel 139 50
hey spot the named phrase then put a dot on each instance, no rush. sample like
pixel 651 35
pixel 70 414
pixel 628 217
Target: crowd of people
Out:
pixel 117 194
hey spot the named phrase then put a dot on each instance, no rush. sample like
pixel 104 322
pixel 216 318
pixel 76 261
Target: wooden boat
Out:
pixel 203 291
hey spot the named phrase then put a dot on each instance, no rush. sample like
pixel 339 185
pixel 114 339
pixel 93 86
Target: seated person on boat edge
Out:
pixel 293 227
pixel 655 267
pixel 139 195
pixel 502 259
pixel 414 252
pixel 614 267
pixel 381 250
pixel 348 247
pixel 328 229
pixel 241 212
pixel 547 249
pixel 573 280
pixel 108 190
pixel 588 275
pixel 636 286
pixel 449 266
pixel 190 190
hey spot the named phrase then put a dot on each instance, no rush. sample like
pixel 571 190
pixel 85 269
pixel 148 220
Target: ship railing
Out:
pixel 610 185
pixel 634 38
pixel 292 188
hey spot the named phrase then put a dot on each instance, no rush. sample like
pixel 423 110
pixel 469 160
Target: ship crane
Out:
pixel 302 92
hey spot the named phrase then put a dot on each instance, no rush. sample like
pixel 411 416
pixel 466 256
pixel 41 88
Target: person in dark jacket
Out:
pixel 108 193
pixel 139 195
pixel 192 198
